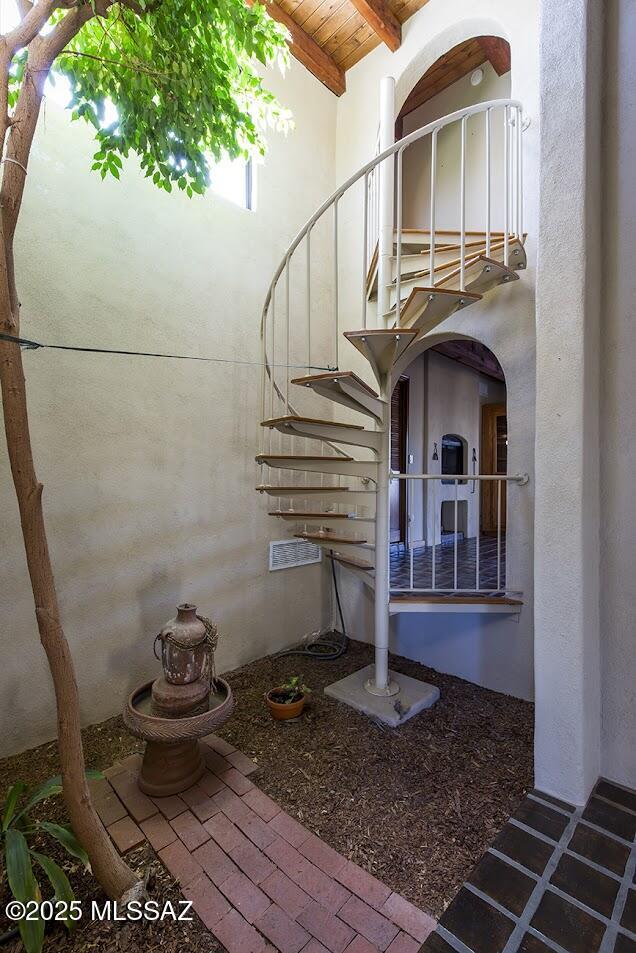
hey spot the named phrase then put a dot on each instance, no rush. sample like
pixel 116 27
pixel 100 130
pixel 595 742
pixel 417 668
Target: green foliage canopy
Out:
pixel 183 77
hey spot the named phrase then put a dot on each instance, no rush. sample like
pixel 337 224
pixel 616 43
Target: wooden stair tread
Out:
pixel 382 348
pixel 293 418
pixel 373 332
pixel 455 600
pixel 283 490
pixel 351 561
pixel 444 266
pixel 446 231
pixel 306 514
pixel 427 289
pixel 330 538
pixel 335 376
pixel 448 246
pixel 295 456
pixel 480 259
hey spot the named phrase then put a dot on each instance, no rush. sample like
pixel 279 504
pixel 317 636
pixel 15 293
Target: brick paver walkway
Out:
pixel 259 880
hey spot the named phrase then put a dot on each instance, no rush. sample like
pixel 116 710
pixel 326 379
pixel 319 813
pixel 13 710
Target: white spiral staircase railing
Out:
pixel 419 277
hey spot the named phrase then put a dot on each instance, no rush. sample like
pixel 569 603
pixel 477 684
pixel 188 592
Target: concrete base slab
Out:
pixel 413 696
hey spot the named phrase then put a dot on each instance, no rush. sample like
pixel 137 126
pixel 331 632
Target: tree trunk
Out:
pixel 110 870
pixel 113 874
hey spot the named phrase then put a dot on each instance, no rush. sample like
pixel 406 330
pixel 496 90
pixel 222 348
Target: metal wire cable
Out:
pixel 28 345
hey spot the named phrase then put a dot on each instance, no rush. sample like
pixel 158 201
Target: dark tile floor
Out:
pixel 556 880
pixel 445 565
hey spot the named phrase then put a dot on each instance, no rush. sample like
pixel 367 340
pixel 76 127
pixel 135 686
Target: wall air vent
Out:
pixel 285 553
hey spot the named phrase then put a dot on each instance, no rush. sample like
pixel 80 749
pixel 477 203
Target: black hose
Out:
pixel 325 648
pixel 9 935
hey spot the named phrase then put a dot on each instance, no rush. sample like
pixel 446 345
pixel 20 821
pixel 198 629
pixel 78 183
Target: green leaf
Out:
pixel 68 840
pixel 15 793
pixel 19 869
pixel 48 789
pixel 53 786
pixel 58 880
pixel 24 886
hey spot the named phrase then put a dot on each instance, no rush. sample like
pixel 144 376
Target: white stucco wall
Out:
pixel 493 651
pixel 147 464
pixel 618 402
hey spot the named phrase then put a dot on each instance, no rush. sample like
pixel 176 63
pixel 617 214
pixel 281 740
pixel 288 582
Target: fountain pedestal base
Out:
pixel 173 760
pixel 170 768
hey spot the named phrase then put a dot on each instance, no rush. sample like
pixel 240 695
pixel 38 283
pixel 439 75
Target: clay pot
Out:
pixel 280 711
pixel 184 647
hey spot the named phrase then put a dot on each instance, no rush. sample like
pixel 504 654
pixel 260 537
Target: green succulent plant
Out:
pixel 17 831
pixel 291 689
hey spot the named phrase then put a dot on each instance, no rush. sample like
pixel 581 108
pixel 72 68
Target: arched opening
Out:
pixel 454 455
pixel 474 71
pixel 453 431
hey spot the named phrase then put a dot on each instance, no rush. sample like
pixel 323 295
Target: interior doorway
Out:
pixel 494 459
pixel 399 456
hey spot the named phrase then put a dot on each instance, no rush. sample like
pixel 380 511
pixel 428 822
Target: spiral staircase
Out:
pixel 327 478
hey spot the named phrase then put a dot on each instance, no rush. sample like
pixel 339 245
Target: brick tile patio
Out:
pixel 259 880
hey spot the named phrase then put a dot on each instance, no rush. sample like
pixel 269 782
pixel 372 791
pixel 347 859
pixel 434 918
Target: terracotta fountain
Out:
pixel 187 702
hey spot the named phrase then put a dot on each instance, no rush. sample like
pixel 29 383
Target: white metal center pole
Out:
pixel 380 685
pixel 386 223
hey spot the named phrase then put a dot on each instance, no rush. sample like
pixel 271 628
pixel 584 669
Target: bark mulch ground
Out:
pixel 415 806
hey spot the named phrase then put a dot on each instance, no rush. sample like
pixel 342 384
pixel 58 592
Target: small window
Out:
pixel 233 179
pixel 453 455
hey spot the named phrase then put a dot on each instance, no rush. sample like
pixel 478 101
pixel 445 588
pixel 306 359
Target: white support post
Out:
pixel 380 684
pixel 385 229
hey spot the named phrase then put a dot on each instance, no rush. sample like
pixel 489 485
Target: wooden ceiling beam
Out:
pixel 498 52
pixel 382 21
pixel 307 51
pixel 474 355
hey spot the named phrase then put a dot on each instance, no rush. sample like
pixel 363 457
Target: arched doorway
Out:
pixel 474 71
pixel 452 427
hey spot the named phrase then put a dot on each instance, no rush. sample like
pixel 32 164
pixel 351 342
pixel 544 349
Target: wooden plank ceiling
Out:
pixel 331 36
pixel 474 355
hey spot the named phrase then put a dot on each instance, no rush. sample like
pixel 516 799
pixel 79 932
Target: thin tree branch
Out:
pixel 103 59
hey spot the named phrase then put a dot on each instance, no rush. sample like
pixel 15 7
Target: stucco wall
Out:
pixel 567 642
pixel 618 402
pixel 148 464
pixel 493 651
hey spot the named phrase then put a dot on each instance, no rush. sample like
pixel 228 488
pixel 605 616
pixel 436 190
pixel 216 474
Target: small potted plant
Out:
pixel 288 700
